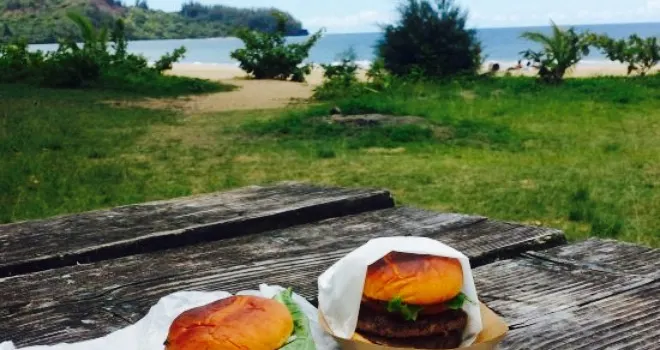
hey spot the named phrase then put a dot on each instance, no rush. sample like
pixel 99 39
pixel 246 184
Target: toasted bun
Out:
pixel 238 322
pixel 417 279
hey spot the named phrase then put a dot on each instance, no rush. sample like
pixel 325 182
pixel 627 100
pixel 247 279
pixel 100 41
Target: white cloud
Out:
pixel 653 4
pixel 362 21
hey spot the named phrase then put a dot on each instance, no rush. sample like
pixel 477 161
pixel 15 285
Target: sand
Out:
pixel 268 94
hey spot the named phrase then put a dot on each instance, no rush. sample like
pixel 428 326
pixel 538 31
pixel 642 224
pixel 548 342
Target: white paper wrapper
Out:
pixel 151 331
pixel 340 287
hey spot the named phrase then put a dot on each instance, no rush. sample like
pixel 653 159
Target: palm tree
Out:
pixel 93 39
pixel 560 51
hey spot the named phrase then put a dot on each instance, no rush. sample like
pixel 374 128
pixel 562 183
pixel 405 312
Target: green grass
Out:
pixel 63 151
pixel 156 85
pixel 583 157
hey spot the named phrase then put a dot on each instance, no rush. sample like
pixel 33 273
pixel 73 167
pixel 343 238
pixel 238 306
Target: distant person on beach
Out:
pixel 518 66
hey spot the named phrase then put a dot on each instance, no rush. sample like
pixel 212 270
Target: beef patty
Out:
pixel 392 325
pixel 451 341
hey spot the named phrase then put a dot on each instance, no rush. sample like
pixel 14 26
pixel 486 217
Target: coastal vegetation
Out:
pixel 102 61
pixel 560 52
pixel 267 55
pixel 430 38
pixel 639 54
pixel 46 21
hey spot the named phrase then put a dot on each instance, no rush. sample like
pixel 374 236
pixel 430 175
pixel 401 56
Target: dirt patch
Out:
pixel 250 95
pixel 375 120
pixel 380 150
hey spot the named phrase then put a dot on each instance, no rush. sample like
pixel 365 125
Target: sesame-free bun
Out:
pixel 237 322
pixel 416 279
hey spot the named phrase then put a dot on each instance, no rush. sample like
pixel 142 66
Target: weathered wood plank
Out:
pixel 106 234
pixel 629 320
pixel 128 286
pixel 608 255
pixel 565 298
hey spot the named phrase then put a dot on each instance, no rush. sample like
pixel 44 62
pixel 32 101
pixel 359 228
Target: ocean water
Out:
pixel 500 44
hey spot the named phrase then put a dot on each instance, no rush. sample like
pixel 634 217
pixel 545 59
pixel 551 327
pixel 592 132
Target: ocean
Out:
pixel 501 45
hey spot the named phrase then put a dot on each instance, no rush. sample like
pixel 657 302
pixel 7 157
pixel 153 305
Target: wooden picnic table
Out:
pixel 82 276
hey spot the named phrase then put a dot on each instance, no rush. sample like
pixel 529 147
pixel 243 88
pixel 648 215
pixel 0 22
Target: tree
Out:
pixel 639 54
pixel 560 51
pixel 94 41
pixel 141 4
pixel 266 55
pixel 431 36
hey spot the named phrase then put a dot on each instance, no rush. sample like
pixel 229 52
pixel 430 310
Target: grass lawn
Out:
pixel 583 157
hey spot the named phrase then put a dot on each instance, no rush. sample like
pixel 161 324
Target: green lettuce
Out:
pixel 409 312
pixel 458 301
pixel 302 331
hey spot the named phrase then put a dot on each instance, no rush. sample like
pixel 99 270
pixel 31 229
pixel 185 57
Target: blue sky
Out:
pixel 363 15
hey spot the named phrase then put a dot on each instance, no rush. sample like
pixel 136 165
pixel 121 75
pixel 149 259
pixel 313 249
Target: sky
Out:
pixel 352 16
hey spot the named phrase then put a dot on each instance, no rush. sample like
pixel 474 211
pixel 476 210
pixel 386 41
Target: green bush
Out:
pixel 639 54
pixel 266 55
pixel 560 52
pixel 165 62
pixel 17 63
pixel 102 61
pixel 430 38
pixel 340 79
pixel 378 76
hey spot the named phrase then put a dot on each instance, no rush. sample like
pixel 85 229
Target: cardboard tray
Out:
pixel 494 330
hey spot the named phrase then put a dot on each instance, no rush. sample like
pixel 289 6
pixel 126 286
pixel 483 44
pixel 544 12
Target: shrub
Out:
pixel 560 52
pixel 266 55
pixel 345 72
pixel 639 54
pixel 340 79
pixel 165 62
pixel 17 63
pixel 431 37
pixel 379 78
pixel 93 64
pixel 68 68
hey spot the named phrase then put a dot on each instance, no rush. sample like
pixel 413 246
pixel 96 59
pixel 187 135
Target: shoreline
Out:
pixel 232 72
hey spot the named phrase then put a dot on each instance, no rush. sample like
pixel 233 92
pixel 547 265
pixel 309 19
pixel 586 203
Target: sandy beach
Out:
pixel 268 94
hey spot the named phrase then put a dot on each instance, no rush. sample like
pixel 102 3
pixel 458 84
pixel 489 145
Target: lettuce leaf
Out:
pixel 458 301
pixel 409 312
pixel 302 331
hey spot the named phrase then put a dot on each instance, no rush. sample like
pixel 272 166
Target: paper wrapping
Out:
pixel 151 331
pixel 494 330
pixel 340 287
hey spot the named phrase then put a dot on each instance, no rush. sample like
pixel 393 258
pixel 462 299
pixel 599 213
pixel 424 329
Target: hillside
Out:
pixel 44 21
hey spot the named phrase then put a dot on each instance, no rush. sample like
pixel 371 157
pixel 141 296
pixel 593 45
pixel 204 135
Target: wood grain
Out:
pixel 125 288
pixel 590 295
pixel 94 236
pixel 607 255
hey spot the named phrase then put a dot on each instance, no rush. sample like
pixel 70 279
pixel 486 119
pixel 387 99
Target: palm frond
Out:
pixel 85 26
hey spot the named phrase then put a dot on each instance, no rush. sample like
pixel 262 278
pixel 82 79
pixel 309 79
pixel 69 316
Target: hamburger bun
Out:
pixel 237 322
pixel 416 279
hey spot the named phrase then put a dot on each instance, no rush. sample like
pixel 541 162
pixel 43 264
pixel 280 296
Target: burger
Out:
pixel 412 300
pixel 242 322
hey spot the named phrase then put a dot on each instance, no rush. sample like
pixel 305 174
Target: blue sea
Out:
pixel 500 44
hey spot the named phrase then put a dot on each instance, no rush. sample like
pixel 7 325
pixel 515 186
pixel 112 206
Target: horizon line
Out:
pixel 512 27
